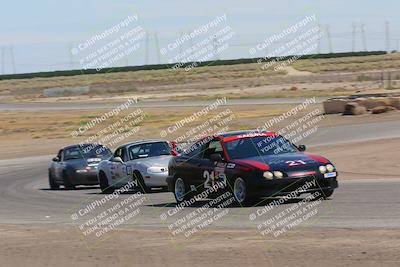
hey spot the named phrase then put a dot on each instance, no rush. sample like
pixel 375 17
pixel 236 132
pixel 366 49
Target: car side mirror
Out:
pixel 302 147
pixel 117 160
pixel 216 157
pixel 56 159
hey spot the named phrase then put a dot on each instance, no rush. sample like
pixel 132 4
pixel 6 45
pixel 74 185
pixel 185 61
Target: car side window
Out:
pixel 213 147
pixel 60 155
pixel 120 152
pixel 195 150
pixel 123 155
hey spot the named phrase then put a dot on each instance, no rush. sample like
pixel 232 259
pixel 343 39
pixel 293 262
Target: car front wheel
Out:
pixel 52 183
pixel 326 193
pixel 240 192
pixel 180 191
pixel 141 185
pixel 104 186
pixel 67 181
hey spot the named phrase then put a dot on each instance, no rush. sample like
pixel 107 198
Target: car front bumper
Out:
pixel 85 178
pixel 285 186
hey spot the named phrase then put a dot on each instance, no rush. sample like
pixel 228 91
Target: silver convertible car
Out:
pixel 143 163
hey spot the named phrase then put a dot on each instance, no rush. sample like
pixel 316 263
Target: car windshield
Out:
pixel 149 150
pixel 258 146
pixel 87 151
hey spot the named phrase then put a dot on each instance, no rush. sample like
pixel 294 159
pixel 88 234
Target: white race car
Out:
pixel 143 163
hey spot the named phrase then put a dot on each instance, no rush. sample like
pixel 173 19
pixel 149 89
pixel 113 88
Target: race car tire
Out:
pixel 142 187
pixel 52 183
pixel 325 194
pixel 104 186
pixel 181 191
pixel 67 182
pixel 240 192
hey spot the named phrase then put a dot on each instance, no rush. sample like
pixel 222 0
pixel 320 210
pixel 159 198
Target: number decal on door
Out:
pixel 212 178
pixel 292 163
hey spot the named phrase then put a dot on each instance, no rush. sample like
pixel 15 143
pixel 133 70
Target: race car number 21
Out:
pixel 295 163
pixel 214 178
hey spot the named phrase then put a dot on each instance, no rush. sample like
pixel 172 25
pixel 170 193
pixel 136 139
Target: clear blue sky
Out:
pixel 41 32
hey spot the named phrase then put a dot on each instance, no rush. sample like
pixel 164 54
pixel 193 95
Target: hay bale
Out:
pixel 354 108
pixel 373 102
pixel 395 102
pixel 334 106
pixel 382 109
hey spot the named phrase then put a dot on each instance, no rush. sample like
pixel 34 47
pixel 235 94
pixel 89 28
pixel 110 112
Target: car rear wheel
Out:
pixel 67 181
pixel 52 183
pixel 104 186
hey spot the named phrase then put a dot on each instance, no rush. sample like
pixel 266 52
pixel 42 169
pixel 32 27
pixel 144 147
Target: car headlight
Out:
pixel 330 168
pixel 322 169
pixel 156 169
pixel 268 175
pixel 278 174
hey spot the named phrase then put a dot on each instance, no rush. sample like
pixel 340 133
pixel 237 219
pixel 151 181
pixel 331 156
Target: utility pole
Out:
pixel 328 35
pixel 12 59
pixel 157 48
pixel 318 41
pixel 146 52
pixel 387 33
pixel 3 54
pixel 215 47
pixel 353 44
pixel 364 39
pixel 71 56
pixel 191 48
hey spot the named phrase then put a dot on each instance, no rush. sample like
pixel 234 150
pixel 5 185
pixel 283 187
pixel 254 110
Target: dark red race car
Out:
pixel 250 164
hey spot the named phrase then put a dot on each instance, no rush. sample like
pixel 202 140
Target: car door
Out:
pixel 212 172
pixel 118 169
pixel 58 166
pixel 188 164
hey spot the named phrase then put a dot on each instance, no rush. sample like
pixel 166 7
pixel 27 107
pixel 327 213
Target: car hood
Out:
pixel 160 161
pixel 285 161
pixel 81 163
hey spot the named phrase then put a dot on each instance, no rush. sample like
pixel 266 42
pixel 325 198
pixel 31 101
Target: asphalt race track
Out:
pixel 25 197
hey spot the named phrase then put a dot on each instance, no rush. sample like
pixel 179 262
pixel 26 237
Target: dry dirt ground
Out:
pixel 50 245
pixel 310 77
